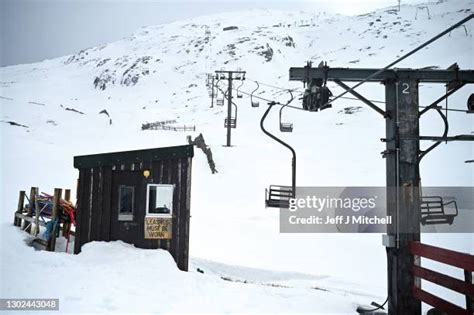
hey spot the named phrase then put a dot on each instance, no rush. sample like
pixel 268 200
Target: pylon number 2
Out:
pixel 406 87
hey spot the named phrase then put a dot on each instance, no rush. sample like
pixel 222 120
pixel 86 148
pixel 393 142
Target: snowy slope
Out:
pixel 159 74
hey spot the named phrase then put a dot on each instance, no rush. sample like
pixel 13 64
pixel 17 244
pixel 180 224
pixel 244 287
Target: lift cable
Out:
pixel 258 97
pixel 298 88
pixel 439 107
pixel 271 101
pixel 374 309
pixel 342 97
pixel 272 86
pixel 448 109
pixel 373 75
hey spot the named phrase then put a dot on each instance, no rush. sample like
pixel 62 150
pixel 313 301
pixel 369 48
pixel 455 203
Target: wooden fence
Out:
pixel 166 125
pixel 452 258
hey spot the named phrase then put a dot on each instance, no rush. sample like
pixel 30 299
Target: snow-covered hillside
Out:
pixel 50 112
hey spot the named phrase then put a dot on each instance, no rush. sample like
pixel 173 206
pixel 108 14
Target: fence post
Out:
pixel 469 299
pixel 33 193
pixel 19 209
pixel 67 197
pixel 55 216
pixel 36 231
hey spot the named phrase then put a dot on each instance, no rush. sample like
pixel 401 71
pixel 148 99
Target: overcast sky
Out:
pixel 34 30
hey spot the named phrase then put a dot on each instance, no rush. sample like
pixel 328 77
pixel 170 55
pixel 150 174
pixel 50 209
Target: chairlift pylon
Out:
pixel 252 102
pixel 277 196
pixel 286 126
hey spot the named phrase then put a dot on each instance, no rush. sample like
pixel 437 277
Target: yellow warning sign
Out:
pixel 158 228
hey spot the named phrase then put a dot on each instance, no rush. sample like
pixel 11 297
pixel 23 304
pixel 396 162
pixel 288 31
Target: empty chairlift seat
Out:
pixel 252 102
pixel 233 123
pixel 220 102
pixel 286 127
pixel 239 95
pixel 278 196
pixel 435 211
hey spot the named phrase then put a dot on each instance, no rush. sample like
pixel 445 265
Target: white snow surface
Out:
pixel 117 277
pixel 230 227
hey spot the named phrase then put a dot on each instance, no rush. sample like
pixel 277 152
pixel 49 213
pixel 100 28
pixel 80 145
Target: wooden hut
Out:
pixel 140 197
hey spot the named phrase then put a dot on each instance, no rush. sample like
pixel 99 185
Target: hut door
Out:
pixel 128 206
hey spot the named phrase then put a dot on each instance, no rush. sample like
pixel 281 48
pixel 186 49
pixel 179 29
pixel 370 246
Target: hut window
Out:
pixel 126 202
pixel 159 199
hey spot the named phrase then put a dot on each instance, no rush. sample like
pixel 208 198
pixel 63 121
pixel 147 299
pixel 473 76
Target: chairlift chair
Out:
pixel 286 126
pixel 232 122
pixel 252 102
pixel 217 89
pixel 433 210
pixel 238 74
pixel 277 196
pixel 220 101
pixel 220 75
pixel 239 95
